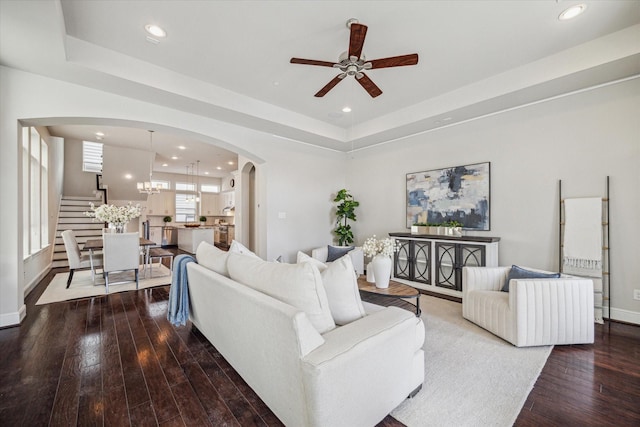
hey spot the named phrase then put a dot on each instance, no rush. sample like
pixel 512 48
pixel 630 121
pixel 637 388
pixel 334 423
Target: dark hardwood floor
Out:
pixel 116 360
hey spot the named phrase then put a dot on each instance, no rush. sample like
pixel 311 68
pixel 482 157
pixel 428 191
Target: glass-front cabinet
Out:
pixel 451 257
pixel 412 261
pixel 435 263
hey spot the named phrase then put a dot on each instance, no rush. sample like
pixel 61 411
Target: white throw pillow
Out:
pixel 212 258
pixel 302 257
pixel 341 284
pixel 241 249
pixel 299 285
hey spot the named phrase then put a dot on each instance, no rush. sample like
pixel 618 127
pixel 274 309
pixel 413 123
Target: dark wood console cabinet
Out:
pixel 435 262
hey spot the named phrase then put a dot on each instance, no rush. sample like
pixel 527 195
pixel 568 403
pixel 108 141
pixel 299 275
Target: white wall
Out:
pixel 76 182
pixel 295 179
pixel 580 139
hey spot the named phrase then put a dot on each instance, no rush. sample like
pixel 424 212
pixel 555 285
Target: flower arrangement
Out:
pixel 373 247
pixel 114 214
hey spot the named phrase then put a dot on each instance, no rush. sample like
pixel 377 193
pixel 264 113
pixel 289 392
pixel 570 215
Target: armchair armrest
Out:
pixel 357 257
pixel 558 311
pixel 483 278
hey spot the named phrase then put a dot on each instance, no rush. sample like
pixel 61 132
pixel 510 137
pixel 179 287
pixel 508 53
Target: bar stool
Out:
pixel 159 254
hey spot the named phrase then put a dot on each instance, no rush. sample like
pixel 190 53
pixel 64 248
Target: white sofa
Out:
pixel 351 375
pixel 534 312
pixel 357 257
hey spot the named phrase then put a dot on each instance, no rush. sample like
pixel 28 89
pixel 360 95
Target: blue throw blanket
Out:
pixel 178 312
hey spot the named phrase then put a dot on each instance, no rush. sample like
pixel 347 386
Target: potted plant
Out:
pixel 203 219
pixel 434 228
pixel 345 211
pixel 167 219
pixel 420 228
pixel 454 228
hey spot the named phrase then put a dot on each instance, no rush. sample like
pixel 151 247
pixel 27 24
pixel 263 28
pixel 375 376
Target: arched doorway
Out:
pixel 249 206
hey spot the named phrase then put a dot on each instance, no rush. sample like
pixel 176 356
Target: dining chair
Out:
pixel 121 252
pixel 77 260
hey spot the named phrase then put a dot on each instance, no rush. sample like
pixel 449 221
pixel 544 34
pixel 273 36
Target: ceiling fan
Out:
pixel 353 62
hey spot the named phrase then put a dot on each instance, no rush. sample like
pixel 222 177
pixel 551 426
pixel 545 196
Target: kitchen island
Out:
pixel 190 237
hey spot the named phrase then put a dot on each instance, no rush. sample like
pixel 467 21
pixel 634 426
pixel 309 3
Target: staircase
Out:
pixel 71 217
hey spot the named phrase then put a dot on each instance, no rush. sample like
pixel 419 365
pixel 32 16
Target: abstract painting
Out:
pixel 459 193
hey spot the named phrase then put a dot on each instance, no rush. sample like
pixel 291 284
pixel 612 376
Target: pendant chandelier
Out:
pixel 193 181
pixel 147 187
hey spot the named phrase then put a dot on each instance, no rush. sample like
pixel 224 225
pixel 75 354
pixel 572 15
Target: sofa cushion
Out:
pixel 302 257
pixel 341 284
pixel 521 273
pixel 299 285
pixel 212 258
pixel 239 248
pixel 335 252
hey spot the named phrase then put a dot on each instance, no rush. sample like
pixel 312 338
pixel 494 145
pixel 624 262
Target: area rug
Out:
pixel 83 287
pixel 472 377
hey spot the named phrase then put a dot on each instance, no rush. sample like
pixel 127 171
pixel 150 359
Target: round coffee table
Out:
pixel 395 290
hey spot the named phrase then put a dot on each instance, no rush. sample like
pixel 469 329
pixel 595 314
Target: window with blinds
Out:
pixel 91 157
pixel 185 207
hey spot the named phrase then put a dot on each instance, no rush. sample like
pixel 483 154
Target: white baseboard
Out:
pixel 13 319
pixel 627 316
pixel 32 284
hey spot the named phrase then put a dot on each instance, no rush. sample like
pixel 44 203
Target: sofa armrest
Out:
pixel 483 278
pixel 372 360
pixel 363 335
pixel 556 311
pixel 320 253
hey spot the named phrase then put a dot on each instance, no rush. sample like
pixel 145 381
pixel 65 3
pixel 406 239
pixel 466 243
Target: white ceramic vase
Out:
pixel 381 265
pixel 370 275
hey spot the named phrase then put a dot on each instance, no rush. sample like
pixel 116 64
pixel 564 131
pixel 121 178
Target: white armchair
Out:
pixel 357 257
pixel 534 311
pixel 121 253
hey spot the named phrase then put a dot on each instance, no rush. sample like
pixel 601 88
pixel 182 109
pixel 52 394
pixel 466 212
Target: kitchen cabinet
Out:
pixel 210 204
pixel 163 203
pixel 231 234
pixel 228 199
pixel 435 263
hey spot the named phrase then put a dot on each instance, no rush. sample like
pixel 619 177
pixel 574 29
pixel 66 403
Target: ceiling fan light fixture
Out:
pixel 572 12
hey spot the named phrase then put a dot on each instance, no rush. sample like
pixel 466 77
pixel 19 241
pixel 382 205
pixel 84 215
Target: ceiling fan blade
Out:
pixel 356 41
pixel 311 62
pixel 322 92
pixel 369 85
pixel 395 61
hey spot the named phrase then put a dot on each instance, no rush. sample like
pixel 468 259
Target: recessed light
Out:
pixel 219 168
pixel 155 30
pixel 182 147
pixel 99 134
pixel 174 157
pixel 229 163
pixel 165 165
pixel 572 12
pixel 206 173
pixel 346 110
pixel 128 176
